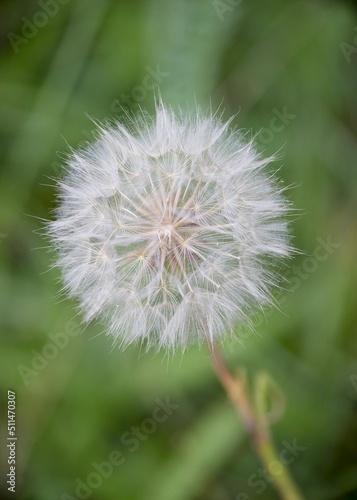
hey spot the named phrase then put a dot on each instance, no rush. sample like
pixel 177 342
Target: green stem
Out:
pixel 257 427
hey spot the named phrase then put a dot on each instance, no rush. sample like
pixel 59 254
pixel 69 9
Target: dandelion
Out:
pixel 167 229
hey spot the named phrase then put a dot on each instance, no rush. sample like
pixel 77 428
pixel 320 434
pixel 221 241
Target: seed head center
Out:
pixel 165 232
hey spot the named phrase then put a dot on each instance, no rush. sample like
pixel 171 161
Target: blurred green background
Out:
pixel 288 71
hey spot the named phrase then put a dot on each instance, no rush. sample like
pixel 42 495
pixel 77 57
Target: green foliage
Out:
pixel 288 72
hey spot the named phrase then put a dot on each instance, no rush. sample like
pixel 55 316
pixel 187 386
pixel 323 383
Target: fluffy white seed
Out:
pixel 166 231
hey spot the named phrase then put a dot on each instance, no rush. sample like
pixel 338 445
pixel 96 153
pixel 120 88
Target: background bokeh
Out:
pixel 287 70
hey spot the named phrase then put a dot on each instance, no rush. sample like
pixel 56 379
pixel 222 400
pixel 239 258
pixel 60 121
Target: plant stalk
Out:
pixel 256 426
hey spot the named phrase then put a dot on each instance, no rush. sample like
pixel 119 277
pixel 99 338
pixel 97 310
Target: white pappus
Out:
pixel 168 229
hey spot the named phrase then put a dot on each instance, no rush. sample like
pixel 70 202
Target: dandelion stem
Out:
pixel 256 426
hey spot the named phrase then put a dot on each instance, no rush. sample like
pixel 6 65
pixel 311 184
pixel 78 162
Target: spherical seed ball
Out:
pixel 165 229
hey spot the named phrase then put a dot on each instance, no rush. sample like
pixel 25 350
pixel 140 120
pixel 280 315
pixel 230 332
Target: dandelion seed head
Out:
pixel 166 231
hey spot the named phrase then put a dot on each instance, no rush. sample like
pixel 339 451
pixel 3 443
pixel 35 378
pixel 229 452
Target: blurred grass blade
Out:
pixel 33 142
pixel 205 448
